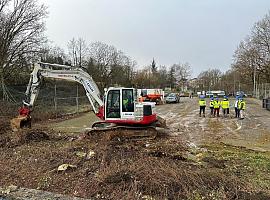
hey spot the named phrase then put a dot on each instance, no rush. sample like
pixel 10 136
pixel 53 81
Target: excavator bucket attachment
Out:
pixel 20 122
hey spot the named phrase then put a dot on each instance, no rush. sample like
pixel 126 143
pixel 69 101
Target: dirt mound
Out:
pixel 36 136
pixel 112 169
pixel 27 136
pixel 133 171
pixel 24 136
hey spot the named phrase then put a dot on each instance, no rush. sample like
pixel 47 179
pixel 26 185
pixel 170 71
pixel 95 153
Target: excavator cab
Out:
pixel 119 103
pixel 121 107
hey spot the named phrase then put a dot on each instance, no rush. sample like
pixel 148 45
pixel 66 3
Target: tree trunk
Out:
pixel 2 82
pixel 6 95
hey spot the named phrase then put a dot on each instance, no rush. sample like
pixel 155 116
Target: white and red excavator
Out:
pixel 118 111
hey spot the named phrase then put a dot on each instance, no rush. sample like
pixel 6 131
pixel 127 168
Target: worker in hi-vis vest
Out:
pixel 241 107
pixel 202 104
pixel 225 105
pixel 216 104
pixel 211 106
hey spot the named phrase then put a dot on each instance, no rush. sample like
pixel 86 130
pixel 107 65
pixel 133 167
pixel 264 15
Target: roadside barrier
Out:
pixel 266 103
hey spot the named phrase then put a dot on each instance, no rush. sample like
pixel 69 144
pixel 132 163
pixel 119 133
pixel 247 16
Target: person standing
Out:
pixel 202 104
pixel 225 105
pixel 241 108
pixel 236 107
pixel 216 104
pixel 211 106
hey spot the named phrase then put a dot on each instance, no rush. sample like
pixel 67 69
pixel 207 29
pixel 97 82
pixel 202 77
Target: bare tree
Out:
pixel 209 79
pixel 109 66
pixel 252 57
pixel 78 51
pixel 53 54
pixel 182 73
pixel 21 34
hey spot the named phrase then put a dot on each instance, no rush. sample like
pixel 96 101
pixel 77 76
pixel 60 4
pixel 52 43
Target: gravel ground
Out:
pixel 253 132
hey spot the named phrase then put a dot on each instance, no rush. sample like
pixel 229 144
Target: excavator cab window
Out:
pixel 113 104
pixel 127 100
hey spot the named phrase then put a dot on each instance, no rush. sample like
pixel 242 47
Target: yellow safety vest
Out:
pixel 241 105
pixel 225 104
pixel 202 102
pixel 216 104
pixel 125 102
pixel 211 104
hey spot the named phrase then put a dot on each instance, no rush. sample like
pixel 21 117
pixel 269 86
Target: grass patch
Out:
pixel 250 166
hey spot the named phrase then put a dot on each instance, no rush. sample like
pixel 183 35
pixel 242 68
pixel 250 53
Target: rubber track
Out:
pixel 126 132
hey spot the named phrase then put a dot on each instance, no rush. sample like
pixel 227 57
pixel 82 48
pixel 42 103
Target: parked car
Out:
pixel 173 98
pixel 184 94
pixel 166 94
pixel 241 93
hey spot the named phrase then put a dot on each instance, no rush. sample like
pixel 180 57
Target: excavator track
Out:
pixel 115 132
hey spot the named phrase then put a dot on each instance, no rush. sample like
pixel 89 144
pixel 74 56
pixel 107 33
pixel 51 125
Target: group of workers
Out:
pixel 215 105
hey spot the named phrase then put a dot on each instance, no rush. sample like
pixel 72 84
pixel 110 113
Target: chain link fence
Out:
pixel 54 99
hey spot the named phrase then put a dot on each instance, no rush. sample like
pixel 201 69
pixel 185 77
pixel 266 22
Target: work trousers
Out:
pixel 202 110
pixel 226 111
pixel 237 112
pixel 242 114
pixel 216 112
pixel 212 110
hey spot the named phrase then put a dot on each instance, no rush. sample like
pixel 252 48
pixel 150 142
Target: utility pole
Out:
pixel 234 83
pixel 254 82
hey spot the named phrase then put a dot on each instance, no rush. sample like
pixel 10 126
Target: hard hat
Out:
pixel 212 98
pixel 201 96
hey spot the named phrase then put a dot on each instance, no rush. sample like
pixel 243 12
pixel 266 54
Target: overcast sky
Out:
pixel 204 33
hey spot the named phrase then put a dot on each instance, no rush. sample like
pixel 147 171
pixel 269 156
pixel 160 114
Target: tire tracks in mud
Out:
pixel 183 120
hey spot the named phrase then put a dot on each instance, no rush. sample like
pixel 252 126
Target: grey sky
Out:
pixel 204 33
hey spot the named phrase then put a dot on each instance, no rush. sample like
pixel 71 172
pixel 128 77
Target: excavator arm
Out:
pixel 46 70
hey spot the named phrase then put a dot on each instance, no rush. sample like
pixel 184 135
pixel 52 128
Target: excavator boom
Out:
pixel 46 70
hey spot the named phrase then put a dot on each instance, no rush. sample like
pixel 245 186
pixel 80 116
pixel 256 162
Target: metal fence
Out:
pixel 262 91
pixel 63 98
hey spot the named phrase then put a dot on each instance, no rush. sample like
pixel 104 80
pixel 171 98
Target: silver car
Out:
pixel 172 98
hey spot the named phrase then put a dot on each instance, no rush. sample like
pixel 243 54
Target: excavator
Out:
pixel 119 112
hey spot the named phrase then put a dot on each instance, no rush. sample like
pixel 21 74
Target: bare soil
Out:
pixel 192 162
